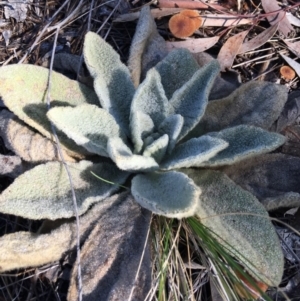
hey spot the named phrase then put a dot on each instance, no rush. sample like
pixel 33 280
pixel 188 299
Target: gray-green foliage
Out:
pixel 146 133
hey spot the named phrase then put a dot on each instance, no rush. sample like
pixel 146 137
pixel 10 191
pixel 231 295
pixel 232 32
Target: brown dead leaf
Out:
pixel 230 49
pixel 208 20
pixel 294 47
pixel 188 4
pixel 194 45
pixel 271 6
pixel 259 40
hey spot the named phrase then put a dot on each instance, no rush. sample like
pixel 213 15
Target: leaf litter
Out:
pixel 25 45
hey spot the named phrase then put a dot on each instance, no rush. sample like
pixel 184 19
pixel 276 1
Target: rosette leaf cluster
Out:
pixel 144 134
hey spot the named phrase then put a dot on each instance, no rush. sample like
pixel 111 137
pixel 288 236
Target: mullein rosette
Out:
pixel 145 134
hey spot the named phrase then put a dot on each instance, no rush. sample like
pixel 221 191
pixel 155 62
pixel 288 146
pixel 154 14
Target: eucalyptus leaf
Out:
pixel 171 194
pixel 88 125
pixel 112 81
pixel 111 255
pixel 49 194
pixel 240 223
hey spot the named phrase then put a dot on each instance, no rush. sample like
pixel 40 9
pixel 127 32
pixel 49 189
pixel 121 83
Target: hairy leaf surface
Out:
pixel 241 223
pixel 44 192
pixel 112 81
pixel 244 142
pixel 18 90
pixel 121 154
pixel 88 125
pixel 253 103
pixel 194 152
pixel 25 249
pixel 171 194
pixel 191 99
pixel 176 69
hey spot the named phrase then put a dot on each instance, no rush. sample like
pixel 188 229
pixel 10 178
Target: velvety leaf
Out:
pixel 14 79
pixel 88 125
pixel 254 103
pixel 25 249
pixel 244 142
pixel 179 65
pixel 272 178
pixel 10 166
pixel 171 126
pixel 150 99
pixel 26 143
pixel 121 154
pixel 240 223
pixel 171 194
pixel 112 81
pixel 193 152
pixel 191 99
pixel 147 47
pixel 111 256
pixel 49 194
pixel 141 126
pixel 157 149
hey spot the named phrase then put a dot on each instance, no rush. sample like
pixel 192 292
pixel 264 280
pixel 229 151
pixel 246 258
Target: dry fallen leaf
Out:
pixel 194 45
pixel 188 4
pixel 279 17
pixel 208 20
pixel 230 49
pixel 259 40
pixel 292 63
pixel 294 47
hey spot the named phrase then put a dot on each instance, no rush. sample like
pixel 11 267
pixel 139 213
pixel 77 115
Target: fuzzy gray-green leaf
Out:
pixel 171 194
pixel 19 90
pixel 254 103
pixel 191 99
pixel 150 98
pixel 171 126
pixel 241 224
pixel 112 81
pixel 193 152
pixel 157 149
pixel 244 142
pixel 121 154
pixel 88 125
pixel 44 192
pixel 141 126
pixel 176 69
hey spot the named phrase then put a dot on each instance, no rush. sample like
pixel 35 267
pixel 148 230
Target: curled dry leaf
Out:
pixel 277 15
pixel 294 47
pixel 194 45
pixel 230 49
pixel 259 40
